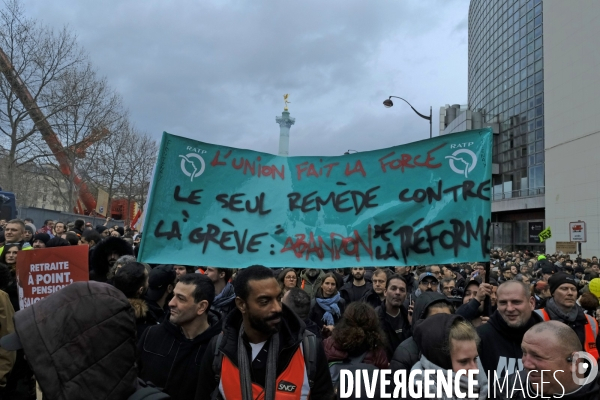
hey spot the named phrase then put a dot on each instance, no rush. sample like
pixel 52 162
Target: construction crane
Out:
pixel 59 152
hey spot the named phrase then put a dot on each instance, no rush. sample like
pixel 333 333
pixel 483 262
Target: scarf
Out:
pixel 223 298
pixel 554 311
pixel 329 305
pixel 244 368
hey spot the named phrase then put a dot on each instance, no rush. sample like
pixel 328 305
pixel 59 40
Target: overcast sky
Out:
pixel 216 71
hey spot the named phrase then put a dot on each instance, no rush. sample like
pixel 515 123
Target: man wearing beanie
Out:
pixel 40 240
pixel 563 307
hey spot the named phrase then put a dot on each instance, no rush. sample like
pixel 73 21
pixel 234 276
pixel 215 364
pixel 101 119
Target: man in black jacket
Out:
pixel 429 303
pixel 500 349
pixel 224 293
pixel 355 289
pixel 393 316
pixel 376 296
pixel 169 354
pixel 261 347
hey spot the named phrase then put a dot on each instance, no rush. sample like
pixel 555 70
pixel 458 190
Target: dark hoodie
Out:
pixel 290 337
pixel 431 336
pixel 171 361
pixel 99 265
pixel 80 342
pixel 407 354
pixel 500 348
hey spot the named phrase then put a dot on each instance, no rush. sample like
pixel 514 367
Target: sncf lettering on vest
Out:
pixel 286 387
pixel 510 365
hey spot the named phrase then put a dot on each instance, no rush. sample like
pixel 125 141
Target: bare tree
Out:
pixel 94 110
pixel 138 162
pixel 39 58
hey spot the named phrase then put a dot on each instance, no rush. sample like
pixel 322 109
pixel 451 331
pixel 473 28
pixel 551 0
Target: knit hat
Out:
pixel 560 278
pixel 541 257
pixel 29 228
pixel 44 237
pixel 595 287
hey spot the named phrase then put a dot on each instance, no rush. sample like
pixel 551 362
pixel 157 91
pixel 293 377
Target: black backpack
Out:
pixel 353 364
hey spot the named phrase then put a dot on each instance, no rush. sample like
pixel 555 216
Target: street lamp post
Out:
pixel 388 103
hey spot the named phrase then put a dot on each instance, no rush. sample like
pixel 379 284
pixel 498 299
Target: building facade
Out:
pixel 572 125
pixel 506 88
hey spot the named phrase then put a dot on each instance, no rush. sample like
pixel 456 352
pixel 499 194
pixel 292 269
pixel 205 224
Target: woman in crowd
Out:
pixel 288 278
pixel 357 335
pixel 328 306
pixel 449 343
pixel 9 258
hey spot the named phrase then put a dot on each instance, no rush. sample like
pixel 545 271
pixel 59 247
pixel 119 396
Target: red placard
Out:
pixel 41 272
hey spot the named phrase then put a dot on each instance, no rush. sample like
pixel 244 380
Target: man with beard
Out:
pixel 376 295
pixel 170 353
pixel 161 282
pixel 427 283
pixel 40 240
pixel 357 287
pixel 14 232
pixel 563 307
pixel 104 256
pixel 264 349
pixel 393 316
pixel 500 348
pixel 312 279
pixel 224 293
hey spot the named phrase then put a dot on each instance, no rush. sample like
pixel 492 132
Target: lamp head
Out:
pixel 388 103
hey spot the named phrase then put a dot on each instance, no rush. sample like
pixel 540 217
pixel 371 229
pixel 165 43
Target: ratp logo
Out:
pixel 464 165
pixel 191 160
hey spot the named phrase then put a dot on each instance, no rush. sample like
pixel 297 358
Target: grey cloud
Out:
pixel 216 71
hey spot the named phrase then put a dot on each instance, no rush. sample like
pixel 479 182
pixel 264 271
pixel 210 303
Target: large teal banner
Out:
pixel 417 204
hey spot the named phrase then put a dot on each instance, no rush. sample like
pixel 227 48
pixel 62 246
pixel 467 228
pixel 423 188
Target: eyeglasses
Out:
pixel 291 278
pixel 429 283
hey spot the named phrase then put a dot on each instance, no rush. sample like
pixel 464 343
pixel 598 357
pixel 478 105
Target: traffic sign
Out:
pixel 577 231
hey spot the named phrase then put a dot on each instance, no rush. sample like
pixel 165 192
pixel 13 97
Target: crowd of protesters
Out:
pixel 138 331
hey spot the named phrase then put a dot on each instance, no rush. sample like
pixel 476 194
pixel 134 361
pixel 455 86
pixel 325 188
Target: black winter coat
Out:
pixel 80 342
pixel 351 293
pixel 290 337
pixel 393 338
pixel 407 353
pixel 171 361
pixel 500 348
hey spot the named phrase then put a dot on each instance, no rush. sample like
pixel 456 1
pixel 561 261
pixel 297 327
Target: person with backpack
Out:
pixel 357 344
pixel 264 350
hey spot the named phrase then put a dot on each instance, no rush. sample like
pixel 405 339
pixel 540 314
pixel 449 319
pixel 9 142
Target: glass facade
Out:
pixel 506 84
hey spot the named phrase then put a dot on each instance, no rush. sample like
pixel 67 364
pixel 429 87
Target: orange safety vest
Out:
pixel 291 384
pixel 590 329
